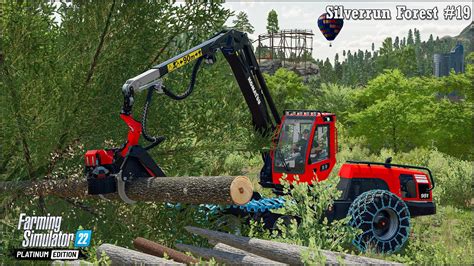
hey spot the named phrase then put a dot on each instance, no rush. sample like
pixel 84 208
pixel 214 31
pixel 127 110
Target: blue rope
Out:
pixel 261 205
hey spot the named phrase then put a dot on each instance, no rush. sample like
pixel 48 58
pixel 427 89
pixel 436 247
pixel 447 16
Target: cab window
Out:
pixel 292 145
pixel 320 146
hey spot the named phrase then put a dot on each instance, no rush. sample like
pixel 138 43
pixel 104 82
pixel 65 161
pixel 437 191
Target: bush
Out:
pixel 313 230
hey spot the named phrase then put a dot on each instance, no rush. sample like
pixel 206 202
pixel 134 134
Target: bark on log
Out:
pixel 155 249
pixel 193 190
pixel 229 249
pixel 124 256
pixel 228 258
pixel 282 252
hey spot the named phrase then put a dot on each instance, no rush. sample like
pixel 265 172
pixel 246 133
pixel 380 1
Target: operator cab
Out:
pixel 306 146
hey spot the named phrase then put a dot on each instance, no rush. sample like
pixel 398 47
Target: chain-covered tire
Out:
pixel 384 220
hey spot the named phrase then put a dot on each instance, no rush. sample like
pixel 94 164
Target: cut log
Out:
pixel 155 249
pixel 193 190
pixel 228 258
pixel 124 256
pixel 282 252
pixel 240 191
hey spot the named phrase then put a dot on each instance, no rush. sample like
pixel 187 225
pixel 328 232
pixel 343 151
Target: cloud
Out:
pixel 293 12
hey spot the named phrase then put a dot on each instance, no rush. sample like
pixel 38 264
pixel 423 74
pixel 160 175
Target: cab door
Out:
pixel 321 154
pixel 302 157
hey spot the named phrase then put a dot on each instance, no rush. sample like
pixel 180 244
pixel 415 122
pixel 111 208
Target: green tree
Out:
pixel 60 91
pixel 387 46
pixel 405 60
pixel 410 40
pixel 419 53
pixel 272 22
pixel 288 89
pixel 327 71
pixel 334 98
pixel 79 66
pixel 402 112
pixel 396 43
pixel 241 22
pixel 403 42
pixel 417 37
pixel 337 68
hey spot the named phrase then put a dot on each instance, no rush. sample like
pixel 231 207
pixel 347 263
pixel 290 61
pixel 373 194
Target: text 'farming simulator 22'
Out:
pixel 236 132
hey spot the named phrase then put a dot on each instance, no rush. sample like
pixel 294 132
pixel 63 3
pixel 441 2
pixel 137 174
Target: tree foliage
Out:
pixel 66 88
pixel 288 89
pixel 242 23
pixel 402 113
pixel 272 22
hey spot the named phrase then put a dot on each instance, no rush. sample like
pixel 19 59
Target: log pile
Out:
pixel 228 249
pixel 123 256
pixel 232 249
pixel 193 190
pixel 228 255
pixel 155 249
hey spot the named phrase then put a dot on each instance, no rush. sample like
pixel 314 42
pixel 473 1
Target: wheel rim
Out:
pixel 385 224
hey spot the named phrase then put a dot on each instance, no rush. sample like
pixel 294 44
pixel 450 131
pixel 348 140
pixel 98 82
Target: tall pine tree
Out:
pixel 410 40
pixel 418 52
pixel 272 22
pixel 396 43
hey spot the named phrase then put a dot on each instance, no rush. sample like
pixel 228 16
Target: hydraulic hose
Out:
pixel 190 88
pixel 157 140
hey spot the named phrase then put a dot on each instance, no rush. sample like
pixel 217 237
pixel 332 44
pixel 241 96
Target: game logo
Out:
pixel 43 239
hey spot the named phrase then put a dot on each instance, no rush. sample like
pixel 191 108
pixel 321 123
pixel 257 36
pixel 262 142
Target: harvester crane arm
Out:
pixel 238 52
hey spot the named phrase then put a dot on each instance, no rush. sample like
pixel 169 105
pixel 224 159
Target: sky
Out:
pixel 355 34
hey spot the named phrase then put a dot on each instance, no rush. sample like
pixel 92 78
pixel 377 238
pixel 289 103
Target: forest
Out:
pixel 62 68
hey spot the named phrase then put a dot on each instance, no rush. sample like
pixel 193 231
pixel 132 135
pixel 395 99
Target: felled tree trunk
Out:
pixel 229 249
pixel 155 249
pixel 193 190
pixel 282 252
pixel 124 256
pixel 229 256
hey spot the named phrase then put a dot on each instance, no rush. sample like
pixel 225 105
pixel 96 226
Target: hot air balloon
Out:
pixel 330 28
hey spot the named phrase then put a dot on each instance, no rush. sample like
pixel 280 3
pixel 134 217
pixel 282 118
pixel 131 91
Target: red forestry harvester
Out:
pixel 380 197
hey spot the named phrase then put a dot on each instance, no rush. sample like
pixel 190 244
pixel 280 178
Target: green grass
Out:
pixel 443 238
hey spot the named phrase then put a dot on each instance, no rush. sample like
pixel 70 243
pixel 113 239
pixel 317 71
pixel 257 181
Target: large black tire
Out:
pixel 384 220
